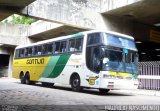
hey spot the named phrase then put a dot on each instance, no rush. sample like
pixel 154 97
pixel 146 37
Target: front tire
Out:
pixel 75 83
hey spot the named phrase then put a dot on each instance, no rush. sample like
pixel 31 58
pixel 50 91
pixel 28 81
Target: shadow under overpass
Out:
pixel 4 62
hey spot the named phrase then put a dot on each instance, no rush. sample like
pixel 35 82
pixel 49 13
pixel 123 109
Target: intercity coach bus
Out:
pixel 93 59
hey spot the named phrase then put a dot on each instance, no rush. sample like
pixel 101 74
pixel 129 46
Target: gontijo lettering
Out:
pixel 35 61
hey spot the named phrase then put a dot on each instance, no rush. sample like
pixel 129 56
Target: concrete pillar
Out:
pixel 7 70
pixel 10 62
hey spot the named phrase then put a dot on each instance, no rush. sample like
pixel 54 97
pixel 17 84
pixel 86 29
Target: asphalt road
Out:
pixel 14 95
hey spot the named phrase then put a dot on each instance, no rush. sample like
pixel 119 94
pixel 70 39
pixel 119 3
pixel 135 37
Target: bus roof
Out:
pixel 76 35
pixel 110 32
pixel 52 40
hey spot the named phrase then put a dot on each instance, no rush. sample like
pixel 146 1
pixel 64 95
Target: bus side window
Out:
pixel 39 51
pixel 93 38
pixel 63 46
pixel 44 49
pixel 35 50
pixel 71 45
pixel 57 47
pixel 78 46
pixel 29 52
pixel 50 48
pixel 17 54
pixel 25 52
pixel 21 52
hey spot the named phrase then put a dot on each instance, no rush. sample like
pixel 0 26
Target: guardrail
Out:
pixel 149 75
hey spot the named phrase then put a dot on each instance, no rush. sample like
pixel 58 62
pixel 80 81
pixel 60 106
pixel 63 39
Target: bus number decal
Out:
pixel 92 80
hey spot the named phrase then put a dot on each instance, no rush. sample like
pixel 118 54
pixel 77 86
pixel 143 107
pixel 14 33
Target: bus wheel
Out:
pixel 22 79
pixel 27 79
pixel 103 91
pixel 75 83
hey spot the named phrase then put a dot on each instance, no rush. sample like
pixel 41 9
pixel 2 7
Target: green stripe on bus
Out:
pixel 77 35
pixel 50 66
pixel 61 63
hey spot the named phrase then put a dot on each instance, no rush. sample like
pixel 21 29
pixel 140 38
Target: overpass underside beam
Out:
pixel 13 35
pixel 68 12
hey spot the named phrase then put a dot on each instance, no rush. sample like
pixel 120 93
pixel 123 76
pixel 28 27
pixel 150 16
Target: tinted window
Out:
pixel 17 54
pixel 119 41
pixel 63 46
pixel 50 48
pixel 93 59
pixel 37 50
pixel 75 44
pixel 94 38
pixel 71 45
pixel 28 52
pixel 78 46
pixel 57 47
pixel 44 49
pixel 21 53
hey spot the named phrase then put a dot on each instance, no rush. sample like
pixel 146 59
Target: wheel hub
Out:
pixel 75 82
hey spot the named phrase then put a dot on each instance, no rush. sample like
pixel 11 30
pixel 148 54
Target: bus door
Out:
pixel 93 64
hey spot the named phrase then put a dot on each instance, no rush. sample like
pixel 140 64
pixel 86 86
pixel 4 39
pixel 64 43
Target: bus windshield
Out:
pixel 119 41
pixel 120 60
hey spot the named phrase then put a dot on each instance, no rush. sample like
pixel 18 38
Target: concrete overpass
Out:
pixel 68 11
pixel 8 7
pixel 133 17
pixel 86 15
pixel 117 15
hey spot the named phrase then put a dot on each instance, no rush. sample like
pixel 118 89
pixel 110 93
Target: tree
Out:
pixel 17 19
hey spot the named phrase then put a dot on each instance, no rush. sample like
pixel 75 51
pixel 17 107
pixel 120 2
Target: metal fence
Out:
pixel 149 75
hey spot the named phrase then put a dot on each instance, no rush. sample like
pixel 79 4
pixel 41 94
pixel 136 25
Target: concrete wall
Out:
pixel 42 26
pixel 107 5
pixel 126 26
pixel 79 13
pixel 117 24
pixel 11 34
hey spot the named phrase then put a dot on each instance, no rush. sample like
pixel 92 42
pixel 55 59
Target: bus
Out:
pixel 103 60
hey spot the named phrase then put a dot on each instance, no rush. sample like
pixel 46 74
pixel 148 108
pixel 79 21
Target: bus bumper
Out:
pixel 119 84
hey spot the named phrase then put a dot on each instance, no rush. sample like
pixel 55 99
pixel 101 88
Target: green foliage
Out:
pixel 17 19
pixel 22 20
